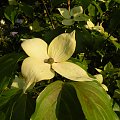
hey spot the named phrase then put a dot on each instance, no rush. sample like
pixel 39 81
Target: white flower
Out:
pixel 91 26
pixel 99 78
pixel 75 14
pixel 43 60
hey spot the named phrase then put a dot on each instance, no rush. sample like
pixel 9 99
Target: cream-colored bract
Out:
pixel 36 48
pixel 99 78
pixel 72 15
pixel 44 60
pixel 71 71
pixel 91 26
pixel 62 47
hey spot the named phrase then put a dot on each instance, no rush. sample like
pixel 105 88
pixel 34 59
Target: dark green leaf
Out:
pixel 8 65
pixel 26 9
pixel 51 34
pixel 108 66
pixel 36 26
pixel 91 10
pixel 10 13
pixel 117 93
pixel 2 116
pixel 85 3
pixel 6 96
pixel 116 107
pixel 57 2
pixel 23 108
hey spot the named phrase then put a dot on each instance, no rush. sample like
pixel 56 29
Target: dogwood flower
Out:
pixel 75 14
pixel 91 26
pixel 44 60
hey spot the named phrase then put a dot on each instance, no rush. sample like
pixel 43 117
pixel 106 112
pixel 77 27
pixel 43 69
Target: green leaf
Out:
pixel 117 45
pixel 118 1
pixel 36 26
pixel 91 10
pixel 8 65
pixel 26 9
pixel 116 107
pixel 83 40
pixel 108 66
pixel 23 108
pixel 85 3
pixel 2 116
pixel 10 13
pixel 15 104
pixel 12 2
pixel 58 101
pixel 51 34
pixel 95 102
pixel 57 2
pixel 98 7
pixel 115 19
pixel 118 83
pixel 117 93
pixel 6 96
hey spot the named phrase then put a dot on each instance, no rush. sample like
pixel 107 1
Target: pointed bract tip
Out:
pixel 73 33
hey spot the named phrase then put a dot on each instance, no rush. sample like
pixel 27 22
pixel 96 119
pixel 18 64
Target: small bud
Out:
pixel 2 22
pixel 30 27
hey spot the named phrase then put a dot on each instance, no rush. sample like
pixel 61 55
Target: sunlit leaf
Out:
pixel 58 101
pixel 95 102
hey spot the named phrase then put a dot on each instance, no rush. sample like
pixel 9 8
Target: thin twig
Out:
pixel 48 15
pixel 69 5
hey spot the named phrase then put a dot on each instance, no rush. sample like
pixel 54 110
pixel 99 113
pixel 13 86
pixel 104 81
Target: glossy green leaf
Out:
pixel 94 101
pixel 23 108
pixel 8 65
pixel 6 96
pixel 7 99
pixel 10 13
pixel 16 105
pixel 58 101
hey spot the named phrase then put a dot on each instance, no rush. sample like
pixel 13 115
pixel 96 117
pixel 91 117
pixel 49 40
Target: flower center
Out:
pixel 49 61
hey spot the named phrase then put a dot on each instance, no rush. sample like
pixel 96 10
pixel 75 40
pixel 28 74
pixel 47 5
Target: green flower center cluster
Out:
pixel 49 61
